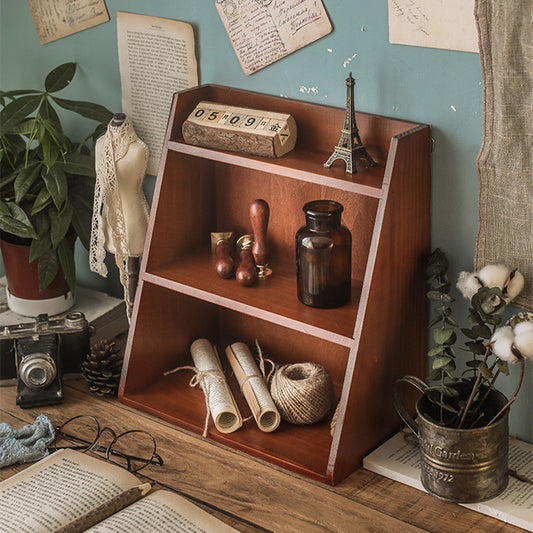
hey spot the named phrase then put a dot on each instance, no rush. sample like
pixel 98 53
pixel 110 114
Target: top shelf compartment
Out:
pixel 319 130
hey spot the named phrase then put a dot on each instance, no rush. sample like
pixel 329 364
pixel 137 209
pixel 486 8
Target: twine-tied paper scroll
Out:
pixel 209 376
pixel 302 392
pixel 253 386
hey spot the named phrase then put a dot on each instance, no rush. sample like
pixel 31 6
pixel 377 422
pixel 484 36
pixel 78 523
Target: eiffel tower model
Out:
pixel 349 147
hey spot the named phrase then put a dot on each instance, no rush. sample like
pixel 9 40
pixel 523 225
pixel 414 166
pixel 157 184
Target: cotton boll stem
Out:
pixel 513 397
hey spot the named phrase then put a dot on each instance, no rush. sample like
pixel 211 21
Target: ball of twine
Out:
pixel 302 392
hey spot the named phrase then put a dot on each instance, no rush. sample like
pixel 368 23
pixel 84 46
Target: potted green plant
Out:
pixel 46 188
pixel 462 420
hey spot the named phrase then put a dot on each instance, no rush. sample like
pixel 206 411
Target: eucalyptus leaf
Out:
pixel 436 350
pixel 444 336
pixel 441 361
pixel 482 331
pixel 476 347
pixel 60 77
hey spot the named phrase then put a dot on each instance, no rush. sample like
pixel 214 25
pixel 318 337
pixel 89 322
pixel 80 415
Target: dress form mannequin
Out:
pixel 120 215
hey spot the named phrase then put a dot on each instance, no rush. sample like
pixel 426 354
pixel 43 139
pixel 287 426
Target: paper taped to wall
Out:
pixel 433 23
pixel 263 31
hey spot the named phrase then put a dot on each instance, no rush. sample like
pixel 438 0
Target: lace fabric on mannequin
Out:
pixel 115 145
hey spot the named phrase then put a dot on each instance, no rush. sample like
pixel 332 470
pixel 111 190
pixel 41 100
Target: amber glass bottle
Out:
pixel 323 256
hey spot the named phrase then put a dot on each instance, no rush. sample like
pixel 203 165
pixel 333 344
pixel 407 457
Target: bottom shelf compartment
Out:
pixel 168 322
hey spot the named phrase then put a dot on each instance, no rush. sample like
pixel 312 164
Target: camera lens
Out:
pixel 37 370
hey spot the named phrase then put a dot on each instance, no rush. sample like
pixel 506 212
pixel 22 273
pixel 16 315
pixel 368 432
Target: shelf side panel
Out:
pixel 391 329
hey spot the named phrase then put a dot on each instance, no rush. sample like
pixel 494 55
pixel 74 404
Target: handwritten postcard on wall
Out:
pixel 263 31
pixel 54 19
pixel 434 24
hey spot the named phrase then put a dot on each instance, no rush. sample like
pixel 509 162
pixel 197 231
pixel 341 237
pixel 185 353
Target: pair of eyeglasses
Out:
pixel 134 449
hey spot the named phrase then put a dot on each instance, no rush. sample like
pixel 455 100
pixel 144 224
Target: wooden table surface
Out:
pixel 254 496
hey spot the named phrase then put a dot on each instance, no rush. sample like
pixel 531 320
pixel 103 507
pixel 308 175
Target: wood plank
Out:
pixel 253 496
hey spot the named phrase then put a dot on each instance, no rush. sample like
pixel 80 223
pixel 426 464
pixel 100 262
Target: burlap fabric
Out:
pixel 505 162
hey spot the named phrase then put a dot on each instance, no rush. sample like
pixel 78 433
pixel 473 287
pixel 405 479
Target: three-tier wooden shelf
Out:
pixel 365 345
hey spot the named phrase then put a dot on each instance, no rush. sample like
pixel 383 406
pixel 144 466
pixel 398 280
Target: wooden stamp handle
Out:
pixel 246 273
pixel 224 265
pixel 259 214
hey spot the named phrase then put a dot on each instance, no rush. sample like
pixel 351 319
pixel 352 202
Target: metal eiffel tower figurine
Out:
pixel 349 147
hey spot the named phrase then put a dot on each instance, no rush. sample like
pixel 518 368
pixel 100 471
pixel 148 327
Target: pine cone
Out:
pixel 102 368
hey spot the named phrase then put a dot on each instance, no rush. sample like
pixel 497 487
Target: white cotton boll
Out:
pixel 523 338
pixel 494 275
pixel 515 286
pixel 502 342
pixel 468 284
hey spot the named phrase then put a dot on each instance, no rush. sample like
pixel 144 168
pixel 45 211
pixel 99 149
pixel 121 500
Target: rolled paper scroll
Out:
pixel 219 399
pixel 253 386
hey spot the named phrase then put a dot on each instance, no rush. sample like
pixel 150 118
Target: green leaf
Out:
pixel 50 149
pixel 436 350
pixel 18 223
pixel 16 111
pixel 434 321
pixel 485 371
pixel 43 200
pixel 56 183
pixel 39 246
pixel 449 320
pixel 82 217
pixel 443 336
pixel 476 347
pixel 79 164
pixel 85 109
pixel 503 367
pixel 48 268
pixel 23 128
pixel 60 223
pixel 4 209
pixel 443 310
pixel 482 331
pixel 435 375
pixel 66 259
pixel 24 180
pixel 441 361
pixel 469 333
pixel 60 77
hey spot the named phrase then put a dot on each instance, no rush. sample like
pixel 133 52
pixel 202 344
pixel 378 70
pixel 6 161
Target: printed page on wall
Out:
pixel 54 19
pixel 156 58
pixel 433 23
pixel 263 31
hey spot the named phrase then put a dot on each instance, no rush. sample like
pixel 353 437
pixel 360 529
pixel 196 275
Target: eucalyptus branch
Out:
pixel 474 390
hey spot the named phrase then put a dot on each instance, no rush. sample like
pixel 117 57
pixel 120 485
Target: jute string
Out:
pixel 200 379
pixel 302 392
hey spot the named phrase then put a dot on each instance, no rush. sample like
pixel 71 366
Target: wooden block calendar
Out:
pixel 240 129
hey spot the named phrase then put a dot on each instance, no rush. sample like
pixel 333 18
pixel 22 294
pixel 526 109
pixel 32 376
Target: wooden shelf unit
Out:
pixel 365 345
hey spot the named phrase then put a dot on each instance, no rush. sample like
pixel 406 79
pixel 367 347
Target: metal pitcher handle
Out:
pixel 398 404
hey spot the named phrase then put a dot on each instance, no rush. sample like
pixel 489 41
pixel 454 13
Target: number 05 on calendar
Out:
pixel 240 129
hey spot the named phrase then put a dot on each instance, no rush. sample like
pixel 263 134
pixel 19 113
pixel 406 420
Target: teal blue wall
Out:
pixel 439 87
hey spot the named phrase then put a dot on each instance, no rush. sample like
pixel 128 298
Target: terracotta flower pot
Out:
pixel 23 294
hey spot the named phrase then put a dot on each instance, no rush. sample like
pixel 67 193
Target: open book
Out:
pixel 70 491
pixel 398 459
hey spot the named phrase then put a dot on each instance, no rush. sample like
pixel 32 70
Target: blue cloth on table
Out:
pixel 29 443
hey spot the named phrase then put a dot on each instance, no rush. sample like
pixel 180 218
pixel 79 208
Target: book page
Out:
pixel 156 59
pixel 263 31
pixel 399 459
pixel 433 23
pixel 162 512
pixel 54 19
pixel 57 490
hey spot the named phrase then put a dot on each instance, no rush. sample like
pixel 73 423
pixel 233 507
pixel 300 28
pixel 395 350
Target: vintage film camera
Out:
pixel 39 353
